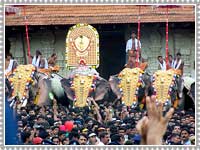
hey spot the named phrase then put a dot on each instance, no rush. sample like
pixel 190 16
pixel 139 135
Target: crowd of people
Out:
pixel 101 124
pixel 104 123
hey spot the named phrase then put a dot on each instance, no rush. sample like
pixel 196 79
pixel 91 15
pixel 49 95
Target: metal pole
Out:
pixel 27 37
pixel 138 36
pixel 167 40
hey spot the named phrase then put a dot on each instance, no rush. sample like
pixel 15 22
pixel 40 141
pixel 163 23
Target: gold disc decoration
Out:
pixel 82 86
pixel 130 81
pixel 22 77
pixel 82 42
pixel 162 83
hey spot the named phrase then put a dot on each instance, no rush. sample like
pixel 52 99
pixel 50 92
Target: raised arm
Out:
pixel 155 124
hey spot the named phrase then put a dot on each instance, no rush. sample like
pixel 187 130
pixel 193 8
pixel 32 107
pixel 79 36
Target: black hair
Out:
pixel 116 138
pixel 122 128
pixel 159 57
pixel 55 137
pixel 178 54
pixel 185 129
pixel 9 54
pixel 38 52
pixel 61 133
pixel 133 32
pixel 24 136
pixel 83 135
pixel 175 134
pixel 103 134
pixel 53 54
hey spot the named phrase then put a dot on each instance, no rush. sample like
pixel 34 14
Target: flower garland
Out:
pixel 163 82
pixel 83 86
pixel 22 78
pixel 129 82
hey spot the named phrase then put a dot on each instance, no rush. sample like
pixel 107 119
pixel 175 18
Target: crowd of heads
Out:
pixel 41 125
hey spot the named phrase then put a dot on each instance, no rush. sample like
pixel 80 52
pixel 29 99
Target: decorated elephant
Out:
pixel 27 84
pixel 18 84
pixel 171 89
pixel 49 85
pixel 131 85
pixel 84 82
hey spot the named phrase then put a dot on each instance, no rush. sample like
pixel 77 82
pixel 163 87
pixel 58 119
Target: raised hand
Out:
pixel 153 127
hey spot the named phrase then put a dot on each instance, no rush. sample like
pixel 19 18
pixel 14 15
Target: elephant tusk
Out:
pixel 12 103
pixel 24 103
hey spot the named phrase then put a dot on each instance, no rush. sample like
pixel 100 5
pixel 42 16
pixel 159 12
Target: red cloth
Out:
pixel 37 140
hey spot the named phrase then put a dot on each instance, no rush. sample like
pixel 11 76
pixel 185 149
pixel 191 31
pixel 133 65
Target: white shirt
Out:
pixel 129 44
pixel 35 61
pixel 177 64
pixel 172 64
pixel 9 66
pixel 163 65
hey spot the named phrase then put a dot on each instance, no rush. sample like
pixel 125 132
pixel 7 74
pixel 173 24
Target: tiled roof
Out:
pixel 98 14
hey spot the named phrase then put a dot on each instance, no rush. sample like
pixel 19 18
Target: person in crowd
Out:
pixel 185 135
pixel 104 138
pixel 39 61
pixel 10 63
pixel 171 62
pixel 178 63
pixel 117 139
pixel 36 58
pixel 175 139
pixel 161 63
pixel 92 139
pixel 55 140
pixel 154 123
pixel 82 139
pixel 132 45
pixel 52 60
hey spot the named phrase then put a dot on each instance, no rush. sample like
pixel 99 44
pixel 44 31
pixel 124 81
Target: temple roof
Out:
pixel 96 14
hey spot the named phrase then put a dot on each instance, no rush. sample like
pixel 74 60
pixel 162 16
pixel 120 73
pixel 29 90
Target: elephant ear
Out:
pixel 114 81
pixel 102 88
pixel 67 87
pixel 192 92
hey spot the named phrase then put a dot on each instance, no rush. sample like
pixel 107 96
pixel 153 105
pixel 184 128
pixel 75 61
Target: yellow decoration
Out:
pixel 19 84
pixel 129 84
pixel 82 42
pixel 82 85
pixel 163 80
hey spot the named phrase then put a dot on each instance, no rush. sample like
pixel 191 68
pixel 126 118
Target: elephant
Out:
pixel 18 84
pixel 189 93
pixel 49 84
pixel 179 89
pixel 84 82
pixel 136 85
pixel 37 89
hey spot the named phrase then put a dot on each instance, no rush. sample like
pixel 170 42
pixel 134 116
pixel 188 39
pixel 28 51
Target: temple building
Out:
pixel 48 26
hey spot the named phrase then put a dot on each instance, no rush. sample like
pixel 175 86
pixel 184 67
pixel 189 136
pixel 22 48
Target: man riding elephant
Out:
pixel 28 85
